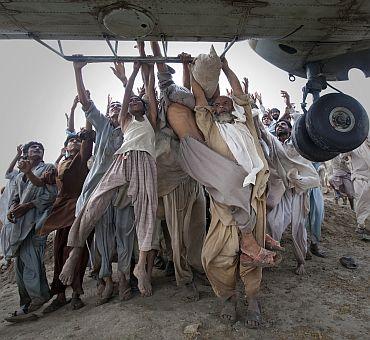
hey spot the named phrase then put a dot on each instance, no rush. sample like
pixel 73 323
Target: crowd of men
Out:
pixel 194 182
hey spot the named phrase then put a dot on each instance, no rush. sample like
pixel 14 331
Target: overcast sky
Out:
pixel 37 88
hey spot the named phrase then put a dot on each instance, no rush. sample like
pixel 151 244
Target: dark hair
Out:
pixel 71 136
pixel 29 144
pixel 285 121
pixel 142 100
pixel 275 110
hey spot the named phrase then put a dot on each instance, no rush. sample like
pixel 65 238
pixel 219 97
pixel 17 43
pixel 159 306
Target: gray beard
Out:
pixel 224 118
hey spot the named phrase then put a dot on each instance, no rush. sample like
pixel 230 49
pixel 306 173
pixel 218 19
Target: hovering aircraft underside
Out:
pixel 317 39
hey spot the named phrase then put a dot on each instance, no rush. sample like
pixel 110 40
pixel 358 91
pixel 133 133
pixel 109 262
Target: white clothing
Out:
pixel 140 136
pixel 242 146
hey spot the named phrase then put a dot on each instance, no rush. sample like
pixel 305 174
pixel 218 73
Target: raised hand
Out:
pixel 120 72
pixel 229 92
pixel 78 65
pixel 185 58
pixel 258 97
pixel 141 91
pixel 286 97
pixel 245 83
pixel 19 150
pixel 24 166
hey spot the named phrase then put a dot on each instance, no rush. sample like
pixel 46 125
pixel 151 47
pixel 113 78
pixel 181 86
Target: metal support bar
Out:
pixel 60 47
pixel 46 45
pixel 105 59
pixel 116 46
pixel 127 59
pixel 228 46
pixel 164 45
pixel 110 46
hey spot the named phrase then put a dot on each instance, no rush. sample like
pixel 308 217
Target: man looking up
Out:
pixel 132 176
pixel 72 172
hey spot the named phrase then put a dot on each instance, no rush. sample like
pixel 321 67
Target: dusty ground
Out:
pixel 329 302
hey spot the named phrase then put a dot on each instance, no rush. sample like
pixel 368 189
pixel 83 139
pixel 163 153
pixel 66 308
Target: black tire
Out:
pixel 337 123
pixel 305 146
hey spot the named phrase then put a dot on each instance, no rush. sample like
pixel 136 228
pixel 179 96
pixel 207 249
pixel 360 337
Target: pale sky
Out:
pixel 37 87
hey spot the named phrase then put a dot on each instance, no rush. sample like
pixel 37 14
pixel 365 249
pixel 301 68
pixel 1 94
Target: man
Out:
pixel 291 178
pixel 5 201
pixel 341 179
pixel 132 177
pixel 234 171
pixel 71 175
pixel 274 114
pixel 360 160
pixel 316 217
pixel 114 231
pixel 183 197
pixel 30 207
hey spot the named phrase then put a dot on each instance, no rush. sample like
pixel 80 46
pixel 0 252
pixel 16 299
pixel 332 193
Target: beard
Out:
pixel 223 118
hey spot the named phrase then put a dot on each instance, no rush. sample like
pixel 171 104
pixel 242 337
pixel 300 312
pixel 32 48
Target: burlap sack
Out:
pixel 206 70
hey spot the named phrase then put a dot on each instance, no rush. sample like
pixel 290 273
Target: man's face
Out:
pixel 223 105
pixel 275 114
pixel 266 120
pixel 282 128
pixel 74 145
pixel 114 111
pixel 35 151
pixel 136 106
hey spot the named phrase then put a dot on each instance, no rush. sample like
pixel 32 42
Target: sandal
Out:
pixel 263 259
pixel 55 305
pixel 76 303
pixel 254 316
pixel 21 316
pixel 348 262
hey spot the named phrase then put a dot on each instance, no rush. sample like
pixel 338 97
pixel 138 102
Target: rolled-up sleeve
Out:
pixel 95 117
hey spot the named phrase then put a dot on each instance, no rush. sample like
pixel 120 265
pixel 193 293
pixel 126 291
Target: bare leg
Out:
pixel 124 287
pixel 228 312
pixel 150 262
pixel 66 276
pixel 107 292
pixel 253 318
pixel 300 270
pixel 142 276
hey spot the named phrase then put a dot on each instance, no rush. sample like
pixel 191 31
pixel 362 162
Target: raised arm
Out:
pixel 157 53
pixel 200 98
pixel 14 161
pixel 71 117
pixel 288 105
pixel 147 71
pixel 26 167
pixel 185 59
pixel 128 93
pixel 81 91
pixel 232 78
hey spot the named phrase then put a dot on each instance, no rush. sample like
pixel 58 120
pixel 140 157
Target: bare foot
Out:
pixel 66 276
pixel 144 284
pixel 253 318
pixel 228 312
pixel 107 292
pixel 189 292
pixel 124 288
pixel 300 270
pixel 100 288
